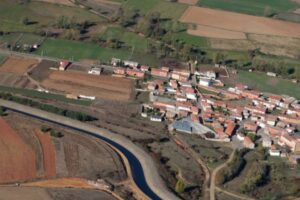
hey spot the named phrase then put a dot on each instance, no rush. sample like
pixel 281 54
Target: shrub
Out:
pixel 179 188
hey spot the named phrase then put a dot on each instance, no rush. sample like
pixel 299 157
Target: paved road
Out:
pixel 151 174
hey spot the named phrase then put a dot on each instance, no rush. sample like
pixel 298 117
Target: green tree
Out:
pixel 179 188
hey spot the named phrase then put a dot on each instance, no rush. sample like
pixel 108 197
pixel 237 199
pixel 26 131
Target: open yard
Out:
pixel 252 7
pixel 106 87
pixel 18 160
pixel 17 65
pixel 229 21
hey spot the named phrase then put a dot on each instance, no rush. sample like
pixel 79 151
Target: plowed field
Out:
pixel 103 87
pixel 48 154
pixel 230 21
pixel 17 65
pixel 17 159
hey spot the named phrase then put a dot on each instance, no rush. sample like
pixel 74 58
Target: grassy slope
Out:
pixel 268 84
pixel 167 9
pixel 12 13
pixel 253 7
pixel 41 95
pixel 129 38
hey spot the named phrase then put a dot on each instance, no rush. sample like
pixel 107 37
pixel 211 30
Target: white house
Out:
pixel 274 152
pixel 205 82
pixel 267 142
pixel 95 71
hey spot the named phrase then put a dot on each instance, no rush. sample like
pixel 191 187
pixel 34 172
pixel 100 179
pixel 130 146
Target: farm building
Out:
pixel 95 71
pixel 63 65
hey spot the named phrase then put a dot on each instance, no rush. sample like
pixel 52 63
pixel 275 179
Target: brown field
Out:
pixel 18 160
pixel 48 154
pixel 12 80
pixel 211 32
pixel 189 2
pixel 63 2
pixel 17 65
pixel 231 21
pixel 105 87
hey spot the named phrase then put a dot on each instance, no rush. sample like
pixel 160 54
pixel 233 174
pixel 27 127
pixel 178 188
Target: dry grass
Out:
pixel 62 183
pixel 239 22
pixel 63 2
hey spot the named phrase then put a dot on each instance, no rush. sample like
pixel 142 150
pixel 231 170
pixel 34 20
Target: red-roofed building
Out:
pixel 119 70
pixel 251 94
pixel 135 73
pixel 230 128
pixel 250 126
pixel 63 65
pixel 248 143
pixel 159 72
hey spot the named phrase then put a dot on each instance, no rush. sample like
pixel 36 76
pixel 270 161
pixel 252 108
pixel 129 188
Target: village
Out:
pixel 198 102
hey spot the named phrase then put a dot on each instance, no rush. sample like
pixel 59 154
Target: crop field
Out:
pixel 17 65
pixel 252 7
pixel 48 154
pixel 236 22
pixel 166 9
pixel 189 39
pixel 18 161
pixel 105 87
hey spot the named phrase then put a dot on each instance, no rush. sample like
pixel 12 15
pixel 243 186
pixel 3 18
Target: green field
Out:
pixel 252 7
pixel 20 39
pixel 42 95
pixel 128 38
pixel 75 50
pixel 188 39
pixel 41 14
pixel 165 8
pixel 265 83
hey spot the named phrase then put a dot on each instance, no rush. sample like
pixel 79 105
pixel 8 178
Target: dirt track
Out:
pixel 106 87
pixel 17 158
pixel 239 22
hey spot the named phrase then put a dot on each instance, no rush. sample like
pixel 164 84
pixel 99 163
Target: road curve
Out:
pixel 152 177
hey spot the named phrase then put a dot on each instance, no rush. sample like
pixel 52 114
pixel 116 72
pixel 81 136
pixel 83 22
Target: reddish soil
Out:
pixel 48 154
pixel 17 65
pixel 231 21
pixel 78 83
pixel 17 158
